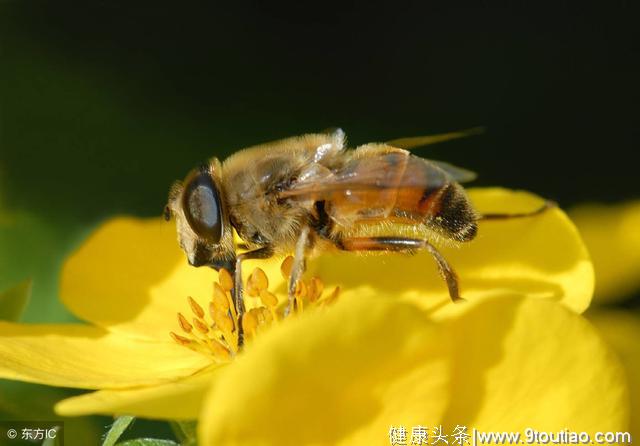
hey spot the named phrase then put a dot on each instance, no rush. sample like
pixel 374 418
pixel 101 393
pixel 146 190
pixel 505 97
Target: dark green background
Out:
pixel 104 104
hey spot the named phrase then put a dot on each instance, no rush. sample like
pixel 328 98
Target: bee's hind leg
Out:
pixel 298 268
pixel 404 244
pixel 548 204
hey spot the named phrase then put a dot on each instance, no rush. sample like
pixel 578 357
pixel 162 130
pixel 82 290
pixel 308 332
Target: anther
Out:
pixel 212 309
pixel 258 314
pixel 286 267
pixel 179 339
pixel 200 326
pixel 268 298
pixel 195 307
pixel 249 323
pixel 332 297
pixel 220 300
pixel 266 315
pixel 300 290
pixel 314 289
pixel 184 324
pixel 225 279
pixel 222 321
pixel 220 351
pixel 258 279
pixel 251 290
pixel 221 338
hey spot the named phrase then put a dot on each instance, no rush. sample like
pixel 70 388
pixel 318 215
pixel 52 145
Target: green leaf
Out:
pixel 148 442
pixel 14 301
pixel 185 432
pixel 117 429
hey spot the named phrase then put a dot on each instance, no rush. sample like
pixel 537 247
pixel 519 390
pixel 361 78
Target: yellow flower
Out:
pixel 612 236
pixel 392 351
pixel 621 330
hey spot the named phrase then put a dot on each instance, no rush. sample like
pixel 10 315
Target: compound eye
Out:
pixel 201 204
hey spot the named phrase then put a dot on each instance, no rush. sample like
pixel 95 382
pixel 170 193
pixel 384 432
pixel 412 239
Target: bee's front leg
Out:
pixel 298 267
pixel 261 253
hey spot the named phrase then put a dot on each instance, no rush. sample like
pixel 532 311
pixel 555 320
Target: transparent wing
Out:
pixel 373 168
pixel 421 141
pixel 456 173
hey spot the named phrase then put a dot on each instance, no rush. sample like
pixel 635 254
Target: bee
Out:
pixel 310 193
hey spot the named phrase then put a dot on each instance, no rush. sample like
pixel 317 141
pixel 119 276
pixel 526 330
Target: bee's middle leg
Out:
pixel 404 244
pixel 297 270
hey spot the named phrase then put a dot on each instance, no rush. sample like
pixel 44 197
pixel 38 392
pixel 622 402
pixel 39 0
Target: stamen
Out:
pixel 250 290
pixel 314 289
pixel 301 289
pixel 266 316
pixel 207 338
pixel 299 294
pixel 220 300
pixel 332 297
pixel 268 298
pixel 180 339
pixel 223 321
pixel 220 351
pixel 184 324
pixel 200 326
pixel 286 267
pixel 226 283
pixel 256 283
pixel 225 279
pixel 195 307
pixel 249 323
pixel 259 279
pixel 215 332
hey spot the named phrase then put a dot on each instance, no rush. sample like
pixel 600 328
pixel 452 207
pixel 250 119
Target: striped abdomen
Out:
pixel 383 184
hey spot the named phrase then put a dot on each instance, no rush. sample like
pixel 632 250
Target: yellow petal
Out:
pixel 340 376
pixel 345 376
pixel 622 330
pixel 131 276
pixel 541 257
pixel 176 400
pixel 88 357
pixel 613 239
pixel 522 363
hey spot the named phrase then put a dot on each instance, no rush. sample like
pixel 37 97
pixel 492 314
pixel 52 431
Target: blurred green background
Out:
pixel 104 104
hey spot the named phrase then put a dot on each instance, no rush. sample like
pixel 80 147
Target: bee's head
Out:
pixel 197 203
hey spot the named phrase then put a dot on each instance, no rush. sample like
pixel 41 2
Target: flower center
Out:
pixel 215 333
